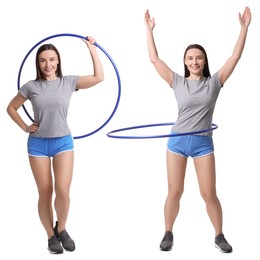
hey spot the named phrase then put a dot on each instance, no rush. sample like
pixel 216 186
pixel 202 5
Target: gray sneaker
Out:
pixel 67 243
pixel 167 242
pixel 54 245
pixel 222 244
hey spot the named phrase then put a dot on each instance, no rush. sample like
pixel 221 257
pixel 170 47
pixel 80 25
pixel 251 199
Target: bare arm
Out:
pixel 164 71
pixel 12 108
pixel 98 75
pixel 231 63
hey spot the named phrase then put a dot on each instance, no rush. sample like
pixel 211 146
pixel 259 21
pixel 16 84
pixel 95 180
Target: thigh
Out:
pixel 201 146
pixel 205 169
pixel 41 168
pixel 176 167
pixel 179 144
pixel 63 170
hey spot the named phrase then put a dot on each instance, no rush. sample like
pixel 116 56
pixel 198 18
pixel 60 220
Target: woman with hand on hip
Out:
pixel 50 136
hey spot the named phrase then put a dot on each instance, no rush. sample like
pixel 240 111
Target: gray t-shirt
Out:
pixel 196 101
pixel 50 102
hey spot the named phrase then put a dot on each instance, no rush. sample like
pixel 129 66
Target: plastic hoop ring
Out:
pixel 110 134
pixel 108 56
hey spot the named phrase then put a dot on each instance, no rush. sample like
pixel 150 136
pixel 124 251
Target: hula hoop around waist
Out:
pixel 112 133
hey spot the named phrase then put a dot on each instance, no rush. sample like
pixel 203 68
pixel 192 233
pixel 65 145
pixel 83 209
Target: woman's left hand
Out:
pixel 90 42
pixel 245 19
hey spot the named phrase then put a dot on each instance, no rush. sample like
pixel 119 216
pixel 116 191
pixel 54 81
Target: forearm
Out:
pixel 97 66
pixel 240 44
pixel 164 71
pixel 153 54
pixel 231 63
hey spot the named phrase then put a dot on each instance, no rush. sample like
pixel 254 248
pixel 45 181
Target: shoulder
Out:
pixel 27 89
pixel 70 79
pixel 177 80
pixel 178 76
pixel 29 84
pixel 215 79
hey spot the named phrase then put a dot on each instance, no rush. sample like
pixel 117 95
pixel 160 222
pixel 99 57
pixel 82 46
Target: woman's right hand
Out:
pixel 32 128
pixel 149 22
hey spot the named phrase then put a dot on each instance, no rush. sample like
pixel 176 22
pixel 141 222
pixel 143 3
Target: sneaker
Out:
pixel 222 244
pixel 54 245
pixel 167 242
pixel 67 243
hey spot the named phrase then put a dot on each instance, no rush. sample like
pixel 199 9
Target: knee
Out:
pixel 46 193
pixel 62 193
pixel 175 193
pixel 209 197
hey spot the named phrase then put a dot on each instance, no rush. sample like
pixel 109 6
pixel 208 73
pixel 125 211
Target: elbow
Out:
pixel 8 109
pixel 101 78
pixel 99 75
pixel 99 81
pixel 154 59
pixel 236 58
pixel 11 109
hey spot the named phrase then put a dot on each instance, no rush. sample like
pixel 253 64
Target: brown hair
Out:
pixel 46 47
pixel 206 72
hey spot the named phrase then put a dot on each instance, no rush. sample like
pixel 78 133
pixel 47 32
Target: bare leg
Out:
pixel 63 171
pixel 176 167
pixel 41 168
pixel 205 168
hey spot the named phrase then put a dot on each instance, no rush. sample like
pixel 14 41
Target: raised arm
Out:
pixel 98 75
pixel 164 71
pixel 231 63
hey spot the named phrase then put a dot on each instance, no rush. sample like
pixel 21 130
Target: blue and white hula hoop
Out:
pixel 112 133
pixel 108 56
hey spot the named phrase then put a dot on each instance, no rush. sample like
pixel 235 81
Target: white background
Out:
pixel 119 186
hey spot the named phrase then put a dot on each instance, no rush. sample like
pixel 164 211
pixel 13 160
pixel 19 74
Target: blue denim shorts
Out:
pixel 191 145
pixel 49 147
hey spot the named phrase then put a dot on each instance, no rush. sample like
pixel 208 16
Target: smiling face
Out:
pixel 48 62
pixel 195 61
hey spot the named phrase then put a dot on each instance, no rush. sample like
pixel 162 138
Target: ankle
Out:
pixel 59 227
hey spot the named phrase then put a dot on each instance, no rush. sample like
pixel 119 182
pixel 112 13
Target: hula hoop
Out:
pixel 110 134
pixel 108 56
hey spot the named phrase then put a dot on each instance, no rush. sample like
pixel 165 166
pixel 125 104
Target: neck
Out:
pixel 51 78
pixel 195 77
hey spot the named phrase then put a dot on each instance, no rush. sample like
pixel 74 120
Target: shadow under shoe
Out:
pixel 54 245
pixel 67 243
pixel 167 242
